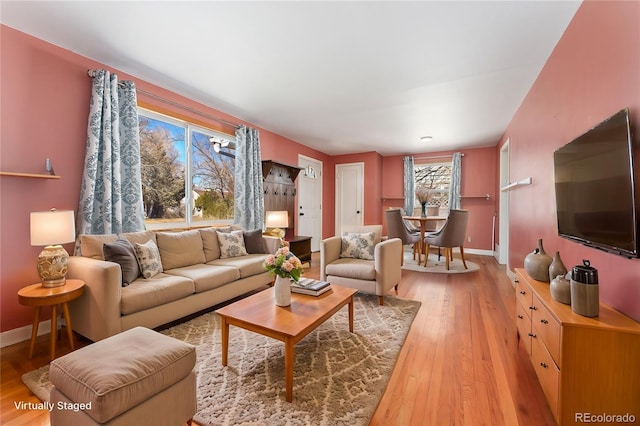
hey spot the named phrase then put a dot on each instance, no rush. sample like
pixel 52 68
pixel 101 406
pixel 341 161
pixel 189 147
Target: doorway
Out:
pixel 310 200
pixel 502 250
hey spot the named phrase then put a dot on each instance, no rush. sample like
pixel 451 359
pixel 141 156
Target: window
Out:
pixel 437 178
pixel 187 172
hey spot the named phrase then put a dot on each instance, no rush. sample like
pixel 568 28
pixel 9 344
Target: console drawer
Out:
pixel 547 328
pixel 523 324
pixel 547 372
pixel 524 295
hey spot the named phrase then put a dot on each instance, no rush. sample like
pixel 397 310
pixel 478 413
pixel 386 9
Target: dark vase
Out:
pixel 423 213
pixel 537 263
pixel 557 267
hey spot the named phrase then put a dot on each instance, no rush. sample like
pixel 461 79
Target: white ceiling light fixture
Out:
pixel 426 138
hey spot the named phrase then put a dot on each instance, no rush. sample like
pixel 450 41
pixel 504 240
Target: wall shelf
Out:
pixel 486 196
pixel 514 185
pixel 392 198
pixel 30 175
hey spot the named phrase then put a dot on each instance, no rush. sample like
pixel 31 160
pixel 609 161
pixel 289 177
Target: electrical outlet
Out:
pixel 469 238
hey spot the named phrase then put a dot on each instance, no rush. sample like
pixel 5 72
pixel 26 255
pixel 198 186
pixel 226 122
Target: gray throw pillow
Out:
pixel 121 252
pixel 254 242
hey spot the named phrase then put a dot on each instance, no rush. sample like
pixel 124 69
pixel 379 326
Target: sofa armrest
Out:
pixel 388 263
pixel 96 314
pixel 329 252
pixel 272 243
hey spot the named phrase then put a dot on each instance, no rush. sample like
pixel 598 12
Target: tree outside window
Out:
pixel 187 173
pixel 437 178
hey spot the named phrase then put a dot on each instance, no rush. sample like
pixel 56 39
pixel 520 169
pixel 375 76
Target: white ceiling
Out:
pixel 341 77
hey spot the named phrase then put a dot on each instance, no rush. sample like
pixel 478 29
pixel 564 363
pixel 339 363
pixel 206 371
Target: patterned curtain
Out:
pixel 409 186
pixel 111 189
pixel 454 191
pixel 249 195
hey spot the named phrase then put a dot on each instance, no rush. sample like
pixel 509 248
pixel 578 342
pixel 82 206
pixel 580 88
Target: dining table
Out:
pixel 423 227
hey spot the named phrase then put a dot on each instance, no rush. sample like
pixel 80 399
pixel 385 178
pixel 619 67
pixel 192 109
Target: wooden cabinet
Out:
pixel 301 247
pixel 587 367
pixel 279 188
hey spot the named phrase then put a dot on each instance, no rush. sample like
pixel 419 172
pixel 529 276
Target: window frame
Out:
pixel 189 128
pixel 442 191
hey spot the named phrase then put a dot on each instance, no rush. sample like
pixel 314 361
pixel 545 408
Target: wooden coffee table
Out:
pixel 259 313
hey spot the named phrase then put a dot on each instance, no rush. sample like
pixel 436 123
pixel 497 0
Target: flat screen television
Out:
pixel 594 185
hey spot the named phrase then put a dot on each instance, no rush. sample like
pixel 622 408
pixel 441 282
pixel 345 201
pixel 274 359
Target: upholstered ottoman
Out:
pixel 137 377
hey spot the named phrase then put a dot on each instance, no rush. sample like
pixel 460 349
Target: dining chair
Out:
pixel 452 234
pixel 396 228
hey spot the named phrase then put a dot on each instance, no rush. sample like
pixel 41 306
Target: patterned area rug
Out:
pixel 438 266
pixel 339 377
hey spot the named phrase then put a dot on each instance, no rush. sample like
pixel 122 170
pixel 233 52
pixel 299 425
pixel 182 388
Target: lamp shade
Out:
pixel 277 219
pixel 52 227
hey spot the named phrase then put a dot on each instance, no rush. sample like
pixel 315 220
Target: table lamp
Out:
pixel 50 229
pixel 274 221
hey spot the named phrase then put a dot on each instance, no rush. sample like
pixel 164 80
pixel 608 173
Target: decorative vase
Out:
pixel 560 289
pixel 537 263
pixel 557 267
pixel 423 213
pixel 282 291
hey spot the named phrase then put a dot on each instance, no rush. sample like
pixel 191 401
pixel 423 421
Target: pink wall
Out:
pixel 478 179
pixel 44 107
pixel 593 72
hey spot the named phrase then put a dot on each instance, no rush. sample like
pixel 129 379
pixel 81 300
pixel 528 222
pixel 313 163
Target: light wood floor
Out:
pixel 460 365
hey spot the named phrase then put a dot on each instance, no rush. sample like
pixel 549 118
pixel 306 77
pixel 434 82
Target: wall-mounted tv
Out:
pixel 594 183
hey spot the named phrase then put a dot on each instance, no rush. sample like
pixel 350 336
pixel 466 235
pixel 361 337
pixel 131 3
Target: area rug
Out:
pixel 438 266
pixel 339 377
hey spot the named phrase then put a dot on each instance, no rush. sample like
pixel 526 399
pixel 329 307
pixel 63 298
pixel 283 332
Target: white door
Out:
pixel 310 200
pixel 503 247
pixel 349 196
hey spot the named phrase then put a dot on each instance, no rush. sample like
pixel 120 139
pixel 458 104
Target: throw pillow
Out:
pixel 358 246
pixel 231 244
pixel 253 242
pixel 121 252
pixel 148 257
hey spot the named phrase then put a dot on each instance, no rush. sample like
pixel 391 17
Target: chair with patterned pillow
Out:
pixel 359 259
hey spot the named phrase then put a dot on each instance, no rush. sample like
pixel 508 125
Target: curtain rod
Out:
pixel 92 73
pixel 436 157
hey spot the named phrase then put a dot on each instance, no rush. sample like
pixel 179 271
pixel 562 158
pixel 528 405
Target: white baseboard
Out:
pixel 17 335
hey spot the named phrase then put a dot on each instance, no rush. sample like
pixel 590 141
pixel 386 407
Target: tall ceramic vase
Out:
pixel 282 291
pixel 423 212
pixel 537 263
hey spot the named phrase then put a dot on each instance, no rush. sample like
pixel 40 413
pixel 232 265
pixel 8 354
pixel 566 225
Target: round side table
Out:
pixel 37 296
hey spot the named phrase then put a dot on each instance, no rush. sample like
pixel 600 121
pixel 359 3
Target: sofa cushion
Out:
pixel 358 246
pixel 121 252
pixel 178 249
pixel 254 243
pixel 148 293
pixel 118 373
pixel 140 237
pixel 359 269
pixel 149 259
pixel 210 242
pixel 231 244
pixel 249 265
pixel 207 277
pixel 92 245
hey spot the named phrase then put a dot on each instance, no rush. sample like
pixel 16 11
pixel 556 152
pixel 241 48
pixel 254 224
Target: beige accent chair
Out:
pixel 375 276
pixel 396 228
pixel 452 234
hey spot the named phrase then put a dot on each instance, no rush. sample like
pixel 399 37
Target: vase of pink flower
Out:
pixel 286 267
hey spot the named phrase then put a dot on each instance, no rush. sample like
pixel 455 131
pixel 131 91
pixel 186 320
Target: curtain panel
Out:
pixel 248 192
pixel 454 190
pixel 409 186
pixel 111 188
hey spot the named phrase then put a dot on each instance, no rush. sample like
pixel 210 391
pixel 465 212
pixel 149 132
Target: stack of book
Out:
pixel 310 286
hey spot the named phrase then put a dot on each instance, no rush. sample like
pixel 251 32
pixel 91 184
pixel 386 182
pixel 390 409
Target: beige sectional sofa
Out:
pixel 195 275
